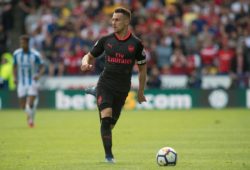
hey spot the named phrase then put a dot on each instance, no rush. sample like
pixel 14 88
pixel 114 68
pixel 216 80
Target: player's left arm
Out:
pixel 40 72
pixel 41 67
pixel 142 75
pixel 88 59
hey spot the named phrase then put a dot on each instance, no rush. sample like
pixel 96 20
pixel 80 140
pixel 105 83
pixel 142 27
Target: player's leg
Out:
pixel 22 92
pixel 118 104
pixel 91 90
pixel 104 102
pixel 22 95
pixel 32 102
pixel 106 133
pixel 31 107
pixel 24 106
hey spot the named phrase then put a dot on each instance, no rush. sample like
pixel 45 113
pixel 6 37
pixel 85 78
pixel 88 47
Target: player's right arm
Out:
pixel 87 62
pixel 15 66
pixel 88 59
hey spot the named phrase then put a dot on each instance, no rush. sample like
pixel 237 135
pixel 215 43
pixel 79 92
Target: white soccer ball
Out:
pixel 166 156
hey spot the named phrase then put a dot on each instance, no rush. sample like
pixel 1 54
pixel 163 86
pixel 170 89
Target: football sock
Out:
pixel 34 107
pixel 28 110
pixel 33 112
pixel 107 136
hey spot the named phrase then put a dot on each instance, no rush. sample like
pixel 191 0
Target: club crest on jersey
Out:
pixel 131 48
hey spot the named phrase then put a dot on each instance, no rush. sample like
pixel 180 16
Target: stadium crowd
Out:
pixel 181 37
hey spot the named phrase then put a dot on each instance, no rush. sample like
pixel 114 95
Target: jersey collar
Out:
pixel 26 52
pixel 123 38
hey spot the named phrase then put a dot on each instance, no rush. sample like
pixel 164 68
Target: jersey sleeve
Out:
pixel 98 48
pixel 38 59
pixel 140 55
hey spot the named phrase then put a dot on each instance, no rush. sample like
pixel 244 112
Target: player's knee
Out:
pixel 106 112
pixel 106 122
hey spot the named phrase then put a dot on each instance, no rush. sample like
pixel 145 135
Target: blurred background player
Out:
pixel 28 68
pixel 122 49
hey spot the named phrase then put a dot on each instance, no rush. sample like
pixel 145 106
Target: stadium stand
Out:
pixel 181 37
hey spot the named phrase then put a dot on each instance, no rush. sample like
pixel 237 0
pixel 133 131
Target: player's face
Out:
pixel 119 22
pixel 24 44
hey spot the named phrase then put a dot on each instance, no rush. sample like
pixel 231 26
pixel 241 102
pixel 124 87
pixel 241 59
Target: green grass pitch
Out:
pixel 204 139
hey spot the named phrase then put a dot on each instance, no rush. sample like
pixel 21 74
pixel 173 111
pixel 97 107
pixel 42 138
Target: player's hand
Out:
pixel 86 67
pixel 140 97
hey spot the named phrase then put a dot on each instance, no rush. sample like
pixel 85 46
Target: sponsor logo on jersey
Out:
pixel 119 60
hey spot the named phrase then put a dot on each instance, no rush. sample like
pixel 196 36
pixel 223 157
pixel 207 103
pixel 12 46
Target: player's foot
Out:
pixel 91 91
pixel 110 160
pixel 30 122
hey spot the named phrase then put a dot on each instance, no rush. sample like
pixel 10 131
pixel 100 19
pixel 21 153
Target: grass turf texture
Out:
pixel 204 139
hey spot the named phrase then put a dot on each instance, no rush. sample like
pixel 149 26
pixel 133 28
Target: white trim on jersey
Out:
pixel 141 62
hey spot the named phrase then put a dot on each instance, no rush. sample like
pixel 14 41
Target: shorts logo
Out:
pixel 131 48
pixel 99 100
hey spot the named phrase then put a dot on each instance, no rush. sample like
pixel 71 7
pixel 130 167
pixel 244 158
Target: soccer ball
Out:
pixel 166 156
